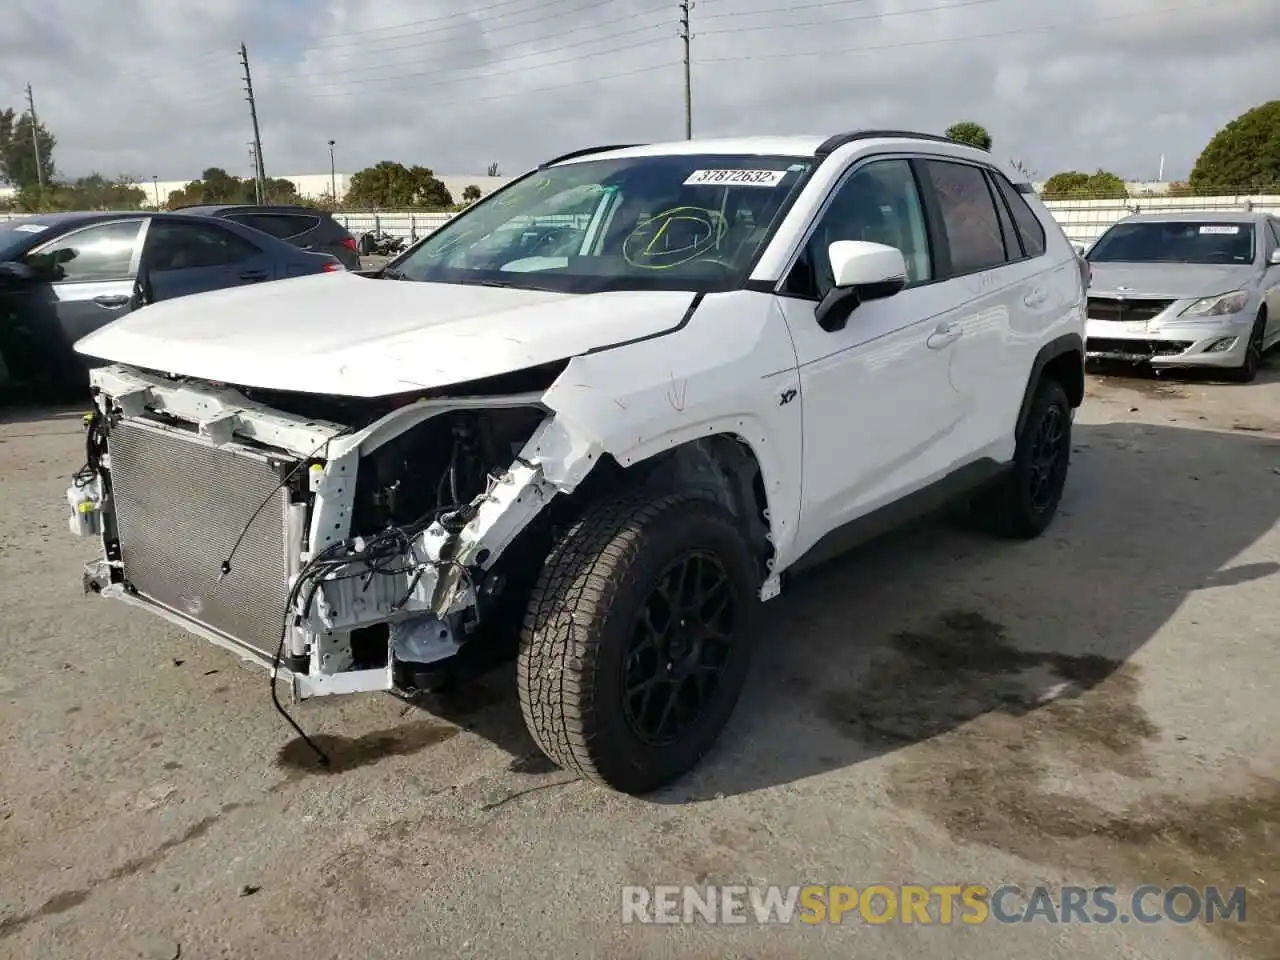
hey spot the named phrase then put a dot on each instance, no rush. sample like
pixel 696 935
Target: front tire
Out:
pixel 1025 502
pixel 637 639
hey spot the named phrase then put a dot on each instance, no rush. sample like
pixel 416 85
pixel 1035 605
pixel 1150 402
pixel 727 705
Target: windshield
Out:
pixel 1175 242
pixel 15 235
pixel 691 222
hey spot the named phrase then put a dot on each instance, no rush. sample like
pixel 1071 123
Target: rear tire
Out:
pixel 1026 500
pixel 613 684
pixel 1248 369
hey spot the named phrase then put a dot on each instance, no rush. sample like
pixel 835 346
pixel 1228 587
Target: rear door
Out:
pixel 1001 296
pixel 86 278
pixel 182 257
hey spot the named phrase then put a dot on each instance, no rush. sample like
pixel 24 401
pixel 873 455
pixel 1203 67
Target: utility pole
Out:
pixel 260 175
pixel 685 7
pixel 35 136
pixel 252 165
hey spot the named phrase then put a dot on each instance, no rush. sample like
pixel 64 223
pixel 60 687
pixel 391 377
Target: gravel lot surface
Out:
pixel 898 729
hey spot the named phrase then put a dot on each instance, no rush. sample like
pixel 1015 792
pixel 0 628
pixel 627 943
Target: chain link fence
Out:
pixel 1082 219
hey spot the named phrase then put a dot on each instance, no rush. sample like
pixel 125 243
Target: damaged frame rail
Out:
pixel 335 585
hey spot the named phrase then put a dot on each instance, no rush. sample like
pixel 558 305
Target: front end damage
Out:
pixel 348 545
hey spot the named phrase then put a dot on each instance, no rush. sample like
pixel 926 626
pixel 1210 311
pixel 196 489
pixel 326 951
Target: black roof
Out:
pixel 208 208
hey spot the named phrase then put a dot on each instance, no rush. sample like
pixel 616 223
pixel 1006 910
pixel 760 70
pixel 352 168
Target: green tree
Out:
pixel 94 192
pixel 1072 184
pixel 390 185
pixel 17 155
pixel 1242 156
pixel 966 131
pixel 471 194
pixel 492 170
pixel 217 186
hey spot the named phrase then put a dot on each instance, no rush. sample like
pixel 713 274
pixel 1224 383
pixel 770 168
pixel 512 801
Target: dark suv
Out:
pixel 303 227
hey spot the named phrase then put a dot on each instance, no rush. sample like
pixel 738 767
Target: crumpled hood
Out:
pixel 356 336
pixel 1168 281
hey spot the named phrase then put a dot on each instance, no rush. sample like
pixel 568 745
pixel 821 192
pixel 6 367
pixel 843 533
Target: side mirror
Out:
pixel 1274 259
pixel 863 271
pixel 1079 248
pixel 11 271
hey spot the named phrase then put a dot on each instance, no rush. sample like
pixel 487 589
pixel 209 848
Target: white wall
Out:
pixel 1083 221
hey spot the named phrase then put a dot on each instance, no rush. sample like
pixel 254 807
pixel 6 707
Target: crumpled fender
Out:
pixel 729 369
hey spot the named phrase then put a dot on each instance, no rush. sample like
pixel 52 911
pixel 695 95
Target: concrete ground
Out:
pixel 1095 707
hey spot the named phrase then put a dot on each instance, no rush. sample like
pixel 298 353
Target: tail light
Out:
pixel 350 244
pixel 333 266
pixel 1086 271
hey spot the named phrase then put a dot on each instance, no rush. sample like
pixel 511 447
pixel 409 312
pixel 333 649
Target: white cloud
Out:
pixel 153 87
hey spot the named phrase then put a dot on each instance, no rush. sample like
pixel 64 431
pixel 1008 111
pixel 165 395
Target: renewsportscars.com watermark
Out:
pixel 936 904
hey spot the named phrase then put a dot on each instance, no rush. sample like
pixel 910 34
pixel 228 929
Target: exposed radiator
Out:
pixel 180 504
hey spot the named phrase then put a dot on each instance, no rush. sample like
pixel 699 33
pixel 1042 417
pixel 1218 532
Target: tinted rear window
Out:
pixel 1030 229
pixel 282 225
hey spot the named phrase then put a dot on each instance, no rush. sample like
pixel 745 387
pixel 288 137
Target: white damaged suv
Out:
pixel 606 410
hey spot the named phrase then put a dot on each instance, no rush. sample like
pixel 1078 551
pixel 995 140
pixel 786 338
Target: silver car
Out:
pixel 1187 289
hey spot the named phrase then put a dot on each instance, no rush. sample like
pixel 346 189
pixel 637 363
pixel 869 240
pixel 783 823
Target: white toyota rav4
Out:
pixel 605 412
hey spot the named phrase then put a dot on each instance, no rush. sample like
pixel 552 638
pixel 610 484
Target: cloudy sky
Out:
pixel 153 87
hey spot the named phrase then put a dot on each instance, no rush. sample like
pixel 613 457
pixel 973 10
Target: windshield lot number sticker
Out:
pixel 1212 228
pixel 735 178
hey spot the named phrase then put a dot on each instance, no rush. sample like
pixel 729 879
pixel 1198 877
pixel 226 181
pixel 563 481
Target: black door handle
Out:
pixel 254 275
pixel 111 300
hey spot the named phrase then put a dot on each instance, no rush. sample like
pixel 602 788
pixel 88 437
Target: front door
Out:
pixel 880 411
pixel 85 279
pixel 183 257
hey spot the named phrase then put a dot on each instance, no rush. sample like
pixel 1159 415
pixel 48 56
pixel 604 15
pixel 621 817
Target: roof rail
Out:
pixel 831 144
pixel 585 151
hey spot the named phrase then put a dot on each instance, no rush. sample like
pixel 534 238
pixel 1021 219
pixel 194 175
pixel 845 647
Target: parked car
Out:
pixel 64 275
pixel 304 227
pixel 619 401
pixel 1187 289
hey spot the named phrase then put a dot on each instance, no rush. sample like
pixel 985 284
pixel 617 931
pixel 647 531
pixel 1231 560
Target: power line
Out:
pixel 738 14
pixel 346 84
pixel 860 16
pixel 829 51
pixel 307 77
pixel 465 25
pixel 526 91
pixel 445 16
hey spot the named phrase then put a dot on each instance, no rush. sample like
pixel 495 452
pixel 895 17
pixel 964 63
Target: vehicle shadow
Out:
pixel 934 627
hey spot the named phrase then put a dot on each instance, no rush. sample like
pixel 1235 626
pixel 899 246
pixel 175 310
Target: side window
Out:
pixel 879 203
pixel 187 246
pixel 103 252
pixel 969 216
pixel 1029 226
pixel 1012 245
pixel 1275 231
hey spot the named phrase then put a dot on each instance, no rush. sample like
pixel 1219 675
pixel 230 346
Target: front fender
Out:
pixel 731 369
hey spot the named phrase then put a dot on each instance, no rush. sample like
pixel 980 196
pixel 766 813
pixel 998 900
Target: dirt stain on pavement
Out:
pixel 349 753
pixel 1041 755
pixel 62 902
